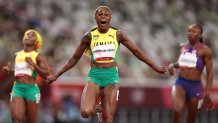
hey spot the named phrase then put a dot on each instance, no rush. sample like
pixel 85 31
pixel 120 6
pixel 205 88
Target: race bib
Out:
pixel 188 59
pixel 23 68
pixel 104 52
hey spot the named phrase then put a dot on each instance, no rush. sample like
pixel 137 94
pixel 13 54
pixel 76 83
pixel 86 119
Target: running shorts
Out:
pixel 103 76
pixel 193 88
pixel 29 92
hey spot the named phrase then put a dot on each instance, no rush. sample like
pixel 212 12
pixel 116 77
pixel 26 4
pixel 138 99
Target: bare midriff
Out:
pixel 25 79
pixel 104 65
pixel 190 74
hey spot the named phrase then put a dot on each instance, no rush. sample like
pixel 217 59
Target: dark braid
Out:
pixel 201 30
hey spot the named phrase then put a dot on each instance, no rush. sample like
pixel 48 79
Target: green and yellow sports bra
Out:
pixel 22 67
pixel 104 47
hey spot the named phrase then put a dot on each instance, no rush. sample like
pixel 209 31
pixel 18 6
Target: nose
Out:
pixel 103 16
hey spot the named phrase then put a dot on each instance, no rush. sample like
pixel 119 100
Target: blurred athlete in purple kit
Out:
pixel 188 89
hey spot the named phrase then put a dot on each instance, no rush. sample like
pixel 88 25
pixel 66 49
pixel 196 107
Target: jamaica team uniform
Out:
pixel 103 48
pixel 22 68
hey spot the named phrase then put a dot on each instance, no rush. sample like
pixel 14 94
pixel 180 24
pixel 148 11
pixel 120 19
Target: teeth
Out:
pixel 103 21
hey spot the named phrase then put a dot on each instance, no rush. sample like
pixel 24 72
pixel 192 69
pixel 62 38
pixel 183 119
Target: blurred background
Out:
pixel 156 26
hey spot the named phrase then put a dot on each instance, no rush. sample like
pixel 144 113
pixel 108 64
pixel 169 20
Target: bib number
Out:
pixel 187 59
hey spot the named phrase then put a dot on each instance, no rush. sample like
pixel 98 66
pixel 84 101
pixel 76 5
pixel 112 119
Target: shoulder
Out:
pixel 89 33
pixel 206 50
pixel 121 35
pixel 15 55
pixel 86 39
pixel 18 53
pixel 181 45
pixel 40 57
pixel 93 29
pixel 87 36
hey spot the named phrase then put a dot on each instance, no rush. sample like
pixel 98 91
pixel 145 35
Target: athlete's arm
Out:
pixel 172 67
pixel 209 72
pixel 41 65
pixel 77 55
pixel 208 59
pixel 9 68
pixel 123 39
pixel 175 65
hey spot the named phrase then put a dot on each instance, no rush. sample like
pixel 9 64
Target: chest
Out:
pixel 103 40
pixel 104 47
pixel 190 57
pixel 197 52
pixel 21 57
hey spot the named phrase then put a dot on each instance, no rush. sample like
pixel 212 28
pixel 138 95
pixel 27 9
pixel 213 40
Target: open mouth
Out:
pixel 103 22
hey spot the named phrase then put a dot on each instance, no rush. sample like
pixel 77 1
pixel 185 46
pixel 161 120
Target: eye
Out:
pixel 100 14
pixel 107 14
